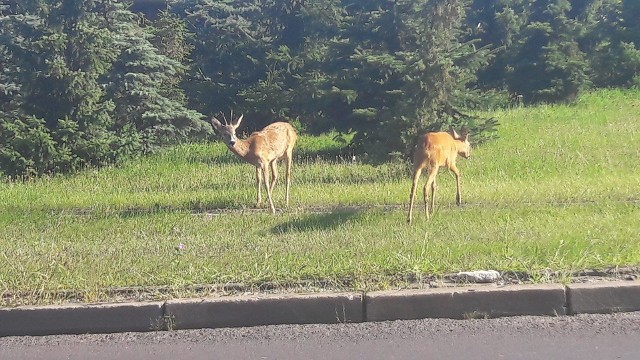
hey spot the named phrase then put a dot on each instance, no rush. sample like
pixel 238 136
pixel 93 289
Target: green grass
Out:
pixel 559 190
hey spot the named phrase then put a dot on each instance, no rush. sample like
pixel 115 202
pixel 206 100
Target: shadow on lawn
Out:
pixel 133 211
pixel 318 221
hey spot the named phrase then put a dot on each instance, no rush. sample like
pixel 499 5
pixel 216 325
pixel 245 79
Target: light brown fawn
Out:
pixel 262 149
pixel 433 150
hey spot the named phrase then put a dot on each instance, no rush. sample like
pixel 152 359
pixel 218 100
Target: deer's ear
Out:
pixel 237 122
pixel 454 133
pixel 216 123
pixel 464 132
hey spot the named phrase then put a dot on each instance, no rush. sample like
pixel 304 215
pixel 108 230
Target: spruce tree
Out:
pixel 57 52
pixel 542 53
pixel 148 111
pixel 614 42
pixel 409 67
pixel 385 70
pixel 84 74
pixel 228 54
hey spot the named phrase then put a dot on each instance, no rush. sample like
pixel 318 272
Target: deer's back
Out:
pixel 275 139
pixel 435 149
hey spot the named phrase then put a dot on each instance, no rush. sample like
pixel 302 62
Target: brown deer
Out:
pixel 262 149
pixel 433 150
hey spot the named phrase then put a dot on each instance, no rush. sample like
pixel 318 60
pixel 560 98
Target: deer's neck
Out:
pixel 241 149
pixel 459 145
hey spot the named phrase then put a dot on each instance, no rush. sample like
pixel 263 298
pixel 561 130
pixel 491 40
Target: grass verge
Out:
pixel 558 190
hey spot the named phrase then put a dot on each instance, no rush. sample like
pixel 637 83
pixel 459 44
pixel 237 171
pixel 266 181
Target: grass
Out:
pixel 558 190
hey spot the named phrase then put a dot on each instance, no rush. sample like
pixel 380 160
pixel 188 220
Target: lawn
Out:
pixel 558 190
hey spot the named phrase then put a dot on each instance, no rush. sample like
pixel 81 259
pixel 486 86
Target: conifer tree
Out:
pixel 143 86
pixel 614 42
pixel 543 57
pixel 415 66
pixel 57 53
pixel 82 86
pixel 549 56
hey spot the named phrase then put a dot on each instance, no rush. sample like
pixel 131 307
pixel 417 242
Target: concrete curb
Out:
pixel 458 303
pixel 80 319
pixel 603 298
pixel 467 302
pixel 264 310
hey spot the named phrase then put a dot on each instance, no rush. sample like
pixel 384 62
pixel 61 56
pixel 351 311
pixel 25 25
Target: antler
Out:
pixel 224 117
pixel 234 122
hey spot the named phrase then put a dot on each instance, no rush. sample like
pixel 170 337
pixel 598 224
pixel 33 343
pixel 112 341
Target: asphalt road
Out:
pixel 581 337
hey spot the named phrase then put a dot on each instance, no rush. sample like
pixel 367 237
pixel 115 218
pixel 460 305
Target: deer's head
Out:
pixel 462 142
pixel 228 130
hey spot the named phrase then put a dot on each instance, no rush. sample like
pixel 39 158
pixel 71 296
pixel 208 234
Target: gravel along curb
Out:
pixel 458 303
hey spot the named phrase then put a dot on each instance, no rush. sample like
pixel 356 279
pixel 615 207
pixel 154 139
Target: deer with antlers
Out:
pixel 436 149
pixel 262 149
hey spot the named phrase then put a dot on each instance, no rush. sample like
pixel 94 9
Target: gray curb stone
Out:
pixel 458 303
pixel 467 302
pixel 264 310
pixel 80 319
pixel 607 297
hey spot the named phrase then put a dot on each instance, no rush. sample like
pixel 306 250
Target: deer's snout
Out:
pixel 232 142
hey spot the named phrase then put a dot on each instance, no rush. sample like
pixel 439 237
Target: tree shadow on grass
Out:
pixel 317 221
pixel 204 207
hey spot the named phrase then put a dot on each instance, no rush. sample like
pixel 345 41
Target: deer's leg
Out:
pixel 259 184
pixel 416 177
pixel 289 160
pixel 265 173
pixel 433 195
pixel 456 172
pixel 433 171
pixel 274 173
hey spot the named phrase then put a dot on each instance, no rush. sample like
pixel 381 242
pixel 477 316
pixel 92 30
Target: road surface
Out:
pixel 581 337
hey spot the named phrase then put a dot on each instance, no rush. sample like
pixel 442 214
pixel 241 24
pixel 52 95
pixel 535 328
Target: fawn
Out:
pixel 433 150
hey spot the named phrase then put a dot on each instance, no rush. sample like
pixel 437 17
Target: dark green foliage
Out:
pixel 82 79
pixel 614 42
pixel 541 56
pixel 27 147
pixel 143 86
pixel 91 82
pixel 170 36
pixel 551 50
pixel 423 67
pixel 386 70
